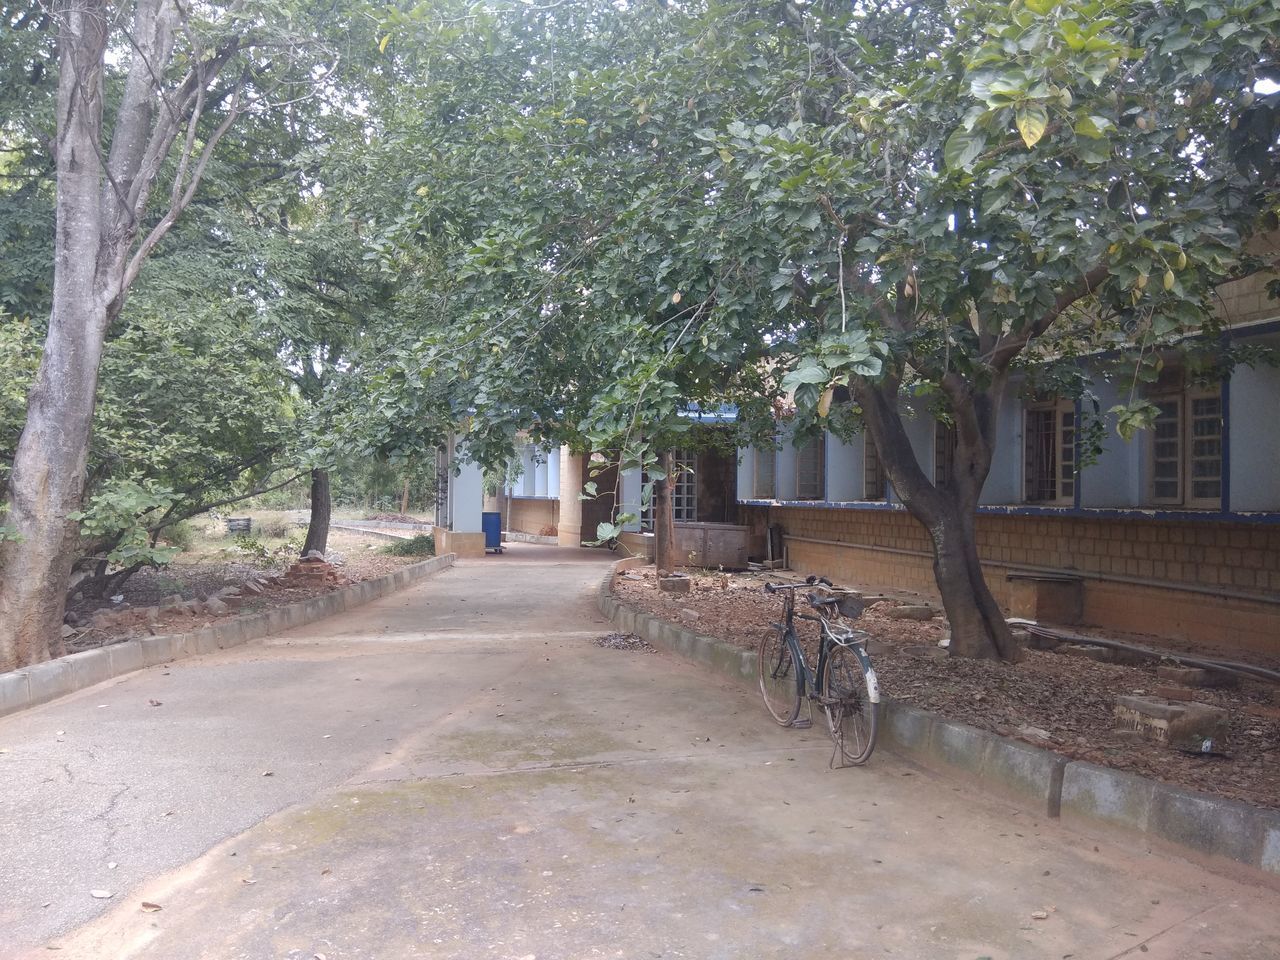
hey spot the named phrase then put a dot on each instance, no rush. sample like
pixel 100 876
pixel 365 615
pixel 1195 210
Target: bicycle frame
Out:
pixel 844 686
pixel 826 640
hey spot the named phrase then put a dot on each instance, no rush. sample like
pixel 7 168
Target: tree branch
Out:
pixel 1007 349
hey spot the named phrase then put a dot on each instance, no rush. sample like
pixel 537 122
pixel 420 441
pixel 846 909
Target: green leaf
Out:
pixel 810 371
pixel 1093 127
pixel 1032 120
pixel 962 148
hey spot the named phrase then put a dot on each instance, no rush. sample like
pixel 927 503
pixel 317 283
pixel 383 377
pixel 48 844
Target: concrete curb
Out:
pixel 1082 794
pixel 38 684
pixel 517 536
pixel 372 532
pixel 390 524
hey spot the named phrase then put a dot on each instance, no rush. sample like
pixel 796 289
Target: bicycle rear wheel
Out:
pixel 779 677
pixel 849 694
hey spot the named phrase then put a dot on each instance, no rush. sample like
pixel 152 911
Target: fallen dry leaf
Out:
pixel 150 907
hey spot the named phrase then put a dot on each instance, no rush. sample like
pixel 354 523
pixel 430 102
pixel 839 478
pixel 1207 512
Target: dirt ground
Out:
pixel 213 565
pixel 1052 700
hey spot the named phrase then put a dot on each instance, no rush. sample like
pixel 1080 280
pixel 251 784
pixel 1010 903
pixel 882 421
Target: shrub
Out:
pixel 181 535
pixel 274 528
pixel 423 545
pixel 252 549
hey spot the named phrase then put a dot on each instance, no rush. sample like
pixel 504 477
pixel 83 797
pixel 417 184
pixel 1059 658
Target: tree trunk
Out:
pixel 664 531
pixel 321 509
pixel 48 475
pixel 949 516
pixel 404 498
pixel 978 627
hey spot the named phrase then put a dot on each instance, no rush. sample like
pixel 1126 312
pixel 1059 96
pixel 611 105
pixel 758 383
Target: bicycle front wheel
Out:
pixel 779 677
pixel 850 695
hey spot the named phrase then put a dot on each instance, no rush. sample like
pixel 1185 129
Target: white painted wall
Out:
pixel 1004 481
pixel 919 428
pixel 1117 479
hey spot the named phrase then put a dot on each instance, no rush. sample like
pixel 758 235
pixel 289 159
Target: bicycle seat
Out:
pixel 849 605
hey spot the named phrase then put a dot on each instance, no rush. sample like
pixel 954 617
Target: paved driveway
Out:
pixel 457 772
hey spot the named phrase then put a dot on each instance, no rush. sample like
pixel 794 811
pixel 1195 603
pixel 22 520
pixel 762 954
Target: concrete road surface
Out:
pixel 456 771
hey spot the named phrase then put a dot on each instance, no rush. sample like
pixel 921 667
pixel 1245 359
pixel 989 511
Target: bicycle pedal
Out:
pixel 801 723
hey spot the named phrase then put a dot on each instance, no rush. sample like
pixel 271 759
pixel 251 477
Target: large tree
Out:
pixel 993 182
pixel 883 196
pixel 146 92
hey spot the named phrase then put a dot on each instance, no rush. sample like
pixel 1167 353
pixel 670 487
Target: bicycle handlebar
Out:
pixel 809 581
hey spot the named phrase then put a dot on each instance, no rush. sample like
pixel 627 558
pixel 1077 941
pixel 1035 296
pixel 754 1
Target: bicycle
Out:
pixel 843 682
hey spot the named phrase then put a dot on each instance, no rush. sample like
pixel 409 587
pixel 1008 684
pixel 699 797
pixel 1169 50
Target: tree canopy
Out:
pixel 576 219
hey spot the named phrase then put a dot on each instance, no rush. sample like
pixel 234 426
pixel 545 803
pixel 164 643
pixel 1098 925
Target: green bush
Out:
pixel 274 528
pixel 251 549
pixel 181 535
pixel 423 545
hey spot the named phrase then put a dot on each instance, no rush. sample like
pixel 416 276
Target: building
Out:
pixel 1176 532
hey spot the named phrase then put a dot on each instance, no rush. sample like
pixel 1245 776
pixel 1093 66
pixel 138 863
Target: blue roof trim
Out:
pixel 1025 510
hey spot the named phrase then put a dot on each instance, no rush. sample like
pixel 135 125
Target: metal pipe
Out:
pixel 1247 670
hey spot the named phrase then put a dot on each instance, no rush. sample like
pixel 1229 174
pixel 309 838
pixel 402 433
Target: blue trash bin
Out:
pixel 491 524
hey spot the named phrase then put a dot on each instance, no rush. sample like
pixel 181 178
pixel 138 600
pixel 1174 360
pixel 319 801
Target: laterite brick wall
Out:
pixel 533 515
pixel 1237 564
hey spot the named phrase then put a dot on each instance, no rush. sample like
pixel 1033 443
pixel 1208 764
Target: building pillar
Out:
pixel 569 530
pixel 540 476
pixel 632 483
pixel 464 535
pixel 553 473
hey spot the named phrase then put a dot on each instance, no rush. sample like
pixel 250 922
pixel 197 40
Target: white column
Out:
pixel 466 494
pixel 553 473
pixel 844 469
pixel 785 480
pixel 526 471
pixel 540 476
pixel 746 473
pixel 632 484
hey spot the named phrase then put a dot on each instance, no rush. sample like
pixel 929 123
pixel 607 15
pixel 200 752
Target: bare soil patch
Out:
pixel 1064 703
pixel 207 573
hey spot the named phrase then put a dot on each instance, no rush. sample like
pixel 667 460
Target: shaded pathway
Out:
pixel 460 773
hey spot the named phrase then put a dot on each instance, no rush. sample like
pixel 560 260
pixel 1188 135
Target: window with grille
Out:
pixel 1049 445
pixel 684 487
pixel 810 472
pixel 1185 452
pixel 1166 452
pixel 764 484
pixel 944 455
pixel 873 479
